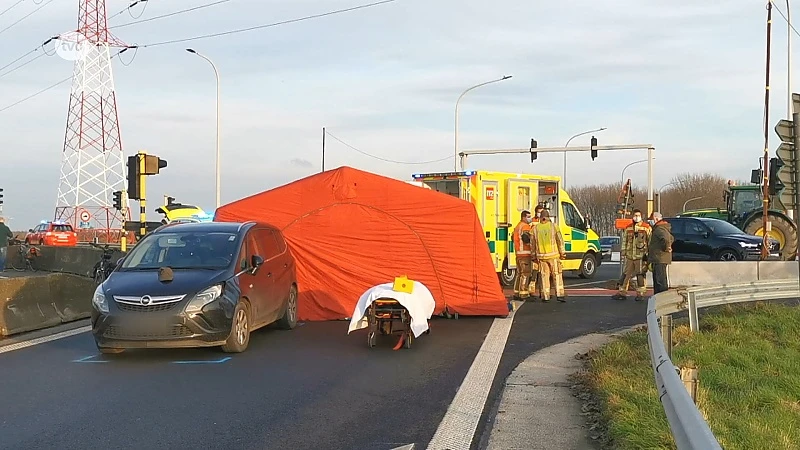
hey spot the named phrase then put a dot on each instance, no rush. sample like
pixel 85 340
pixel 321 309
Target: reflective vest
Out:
pixel 520 247
pixel 635 241
pixel 548 242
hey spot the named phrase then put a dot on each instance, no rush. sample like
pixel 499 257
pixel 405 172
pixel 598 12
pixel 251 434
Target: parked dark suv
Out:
pixel 707 239
pixel 197 285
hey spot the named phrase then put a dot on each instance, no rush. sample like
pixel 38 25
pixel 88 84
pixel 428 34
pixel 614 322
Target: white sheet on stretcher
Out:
pixel 420 305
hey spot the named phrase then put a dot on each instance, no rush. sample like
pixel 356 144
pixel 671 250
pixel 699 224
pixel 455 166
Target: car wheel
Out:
pixel 289 319
pixel 727 256
pixel 240 330
pixel 507 275
pixel 588 266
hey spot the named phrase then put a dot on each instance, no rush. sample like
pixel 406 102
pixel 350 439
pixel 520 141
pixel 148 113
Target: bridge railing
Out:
pixel 689 428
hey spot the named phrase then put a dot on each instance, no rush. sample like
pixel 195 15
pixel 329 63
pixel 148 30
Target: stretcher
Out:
pixel 382 315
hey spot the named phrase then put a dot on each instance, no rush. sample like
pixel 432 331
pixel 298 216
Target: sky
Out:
pixel 684 76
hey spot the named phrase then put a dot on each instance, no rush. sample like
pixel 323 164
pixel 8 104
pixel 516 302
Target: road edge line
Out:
pixel 457 429
pixel 44 339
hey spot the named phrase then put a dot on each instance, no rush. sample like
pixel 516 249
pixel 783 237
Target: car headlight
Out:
pixel 99 299
pixel 203 298
pixel 747 245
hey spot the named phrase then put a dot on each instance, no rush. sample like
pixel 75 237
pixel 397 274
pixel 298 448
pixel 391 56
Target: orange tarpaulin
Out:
pixel 350 230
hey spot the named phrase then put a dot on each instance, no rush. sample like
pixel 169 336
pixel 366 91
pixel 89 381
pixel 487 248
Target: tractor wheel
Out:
pixel 782 231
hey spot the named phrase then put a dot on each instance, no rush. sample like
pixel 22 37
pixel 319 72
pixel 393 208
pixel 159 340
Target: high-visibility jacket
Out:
pixel 635 241
pixel 520 247
pixel 548 242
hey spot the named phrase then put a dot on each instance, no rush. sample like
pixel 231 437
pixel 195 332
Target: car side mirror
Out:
pixel 256 262
pixel 119 261
pixel 30 230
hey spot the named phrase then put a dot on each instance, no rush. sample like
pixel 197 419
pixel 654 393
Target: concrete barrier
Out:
pixel 75 260
pixel 690 273
pixel 36 302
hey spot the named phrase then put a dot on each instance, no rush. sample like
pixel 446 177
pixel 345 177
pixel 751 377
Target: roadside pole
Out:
pixel 123 240
pixel 142 194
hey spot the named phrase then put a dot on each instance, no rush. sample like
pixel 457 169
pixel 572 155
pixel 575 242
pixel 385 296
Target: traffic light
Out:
pixel 534 154
pixel 134 189
pixel 776 186
pixel 1 196
pixel 118 200
pixel 592 146
pixel 152 164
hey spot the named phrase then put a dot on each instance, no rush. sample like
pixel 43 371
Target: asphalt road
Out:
pixel 314 387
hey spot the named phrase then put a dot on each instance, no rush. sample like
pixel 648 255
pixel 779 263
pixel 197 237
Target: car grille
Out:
pixel 151 308
pixel 119 332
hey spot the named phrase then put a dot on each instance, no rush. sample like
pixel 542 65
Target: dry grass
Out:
pixel 749 389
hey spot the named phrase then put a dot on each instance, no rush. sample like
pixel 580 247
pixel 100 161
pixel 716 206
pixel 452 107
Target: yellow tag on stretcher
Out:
pixel 403 284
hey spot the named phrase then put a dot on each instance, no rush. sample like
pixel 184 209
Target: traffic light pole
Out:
pixel 650 151
pixel 123 240
pixel 142 195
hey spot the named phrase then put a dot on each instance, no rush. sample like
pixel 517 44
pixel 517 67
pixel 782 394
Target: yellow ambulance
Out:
pixel 500 198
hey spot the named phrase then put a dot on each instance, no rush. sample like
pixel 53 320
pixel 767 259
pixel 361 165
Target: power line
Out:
pixel 11 7
pixel 26 16
pixel 384 159
pixel 36 94
pixel 269 25
pixel 784 18
pixel 129 7
pixel 170 14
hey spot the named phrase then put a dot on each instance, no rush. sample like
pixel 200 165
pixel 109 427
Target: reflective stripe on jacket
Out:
pixel 548 241
pixel 521 248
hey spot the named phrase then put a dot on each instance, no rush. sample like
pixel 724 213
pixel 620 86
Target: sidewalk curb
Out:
pixel 538 409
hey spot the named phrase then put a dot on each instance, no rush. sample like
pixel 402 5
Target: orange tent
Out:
pixel 350 230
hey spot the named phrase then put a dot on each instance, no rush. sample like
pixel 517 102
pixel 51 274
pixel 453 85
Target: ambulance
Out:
pixel 500 198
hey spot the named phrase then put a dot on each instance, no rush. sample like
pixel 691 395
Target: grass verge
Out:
pixel 749 389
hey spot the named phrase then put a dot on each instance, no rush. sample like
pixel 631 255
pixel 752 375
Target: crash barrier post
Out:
pixel 42 301
pixel 689 429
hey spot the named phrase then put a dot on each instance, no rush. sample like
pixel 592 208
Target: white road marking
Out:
pixel 43 339
pixel 587 283
pixel 457 428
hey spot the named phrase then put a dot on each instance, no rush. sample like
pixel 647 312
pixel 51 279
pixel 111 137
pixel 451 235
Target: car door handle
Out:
pixel 285 264
pixel 269 274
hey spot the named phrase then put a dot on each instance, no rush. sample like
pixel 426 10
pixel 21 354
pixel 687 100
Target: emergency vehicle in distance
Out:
pixel 500 197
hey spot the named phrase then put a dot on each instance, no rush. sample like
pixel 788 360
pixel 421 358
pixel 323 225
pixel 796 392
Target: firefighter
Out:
pixel 522 248
pixel 635 241
pixel 535 284
pixel 548 246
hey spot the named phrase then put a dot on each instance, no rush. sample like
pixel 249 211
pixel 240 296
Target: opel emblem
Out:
pixel 146 300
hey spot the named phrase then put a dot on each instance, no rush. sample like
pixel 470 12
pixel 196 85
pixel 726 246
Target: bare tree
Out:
pixel 600 201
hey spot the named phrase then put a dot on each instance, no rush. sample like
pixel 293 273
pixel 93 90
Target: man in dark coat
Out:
pixel 659 252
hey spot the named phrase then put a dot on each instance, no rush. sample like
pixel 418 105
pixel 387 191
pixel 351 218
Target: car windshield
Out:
pixel 183 250
pixel 720 227
pixel 607 240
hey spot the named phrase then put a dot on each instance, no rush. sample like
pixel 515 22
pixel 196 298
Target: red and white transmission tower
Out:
pixel 92 165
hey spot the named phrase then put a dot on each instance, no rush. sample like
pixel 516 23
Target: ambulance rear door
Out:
pixel 489 212
pixel 521 195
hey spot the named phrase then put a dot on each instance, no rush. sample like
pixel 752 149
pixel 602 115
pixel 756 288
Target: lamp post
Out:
pixel 788 61
pixel 216 75
pixel 672 183
pixel 564 178
pixel 455 163
pixel 687 202
pixel 626 167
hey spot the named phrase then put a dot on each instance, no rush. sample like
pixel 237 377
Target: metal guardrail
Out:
pixel 689 428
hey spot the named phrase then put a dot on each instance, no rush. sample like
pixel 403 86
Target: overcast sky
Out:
pixel 685 76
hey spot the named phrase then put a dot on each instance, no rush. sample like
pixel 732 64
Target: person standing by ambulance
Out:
pixel 522 250
pixel 535 284
pixel 548 247
pixel 635 241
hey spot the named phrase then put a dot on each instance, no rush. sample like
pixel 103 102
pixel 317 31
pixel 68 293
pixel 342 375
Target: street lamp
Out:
pixel 626 167
pixel 455 163
pixel 690 200
pixel 564 178
pixel 788 61
pixel 672 183
pixel 216 75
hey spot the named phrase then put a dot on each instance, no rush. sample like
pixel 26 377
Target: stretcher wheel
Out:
pixel 371 339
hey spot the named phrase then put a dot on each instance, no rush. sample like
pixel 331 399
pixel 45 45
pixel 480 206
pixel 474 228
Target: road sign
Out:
pixel 784 128
pixel 85 216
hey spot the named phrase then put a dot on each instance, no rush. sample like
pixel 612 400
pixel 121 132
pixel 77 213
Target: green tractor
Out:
pixel 744 211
